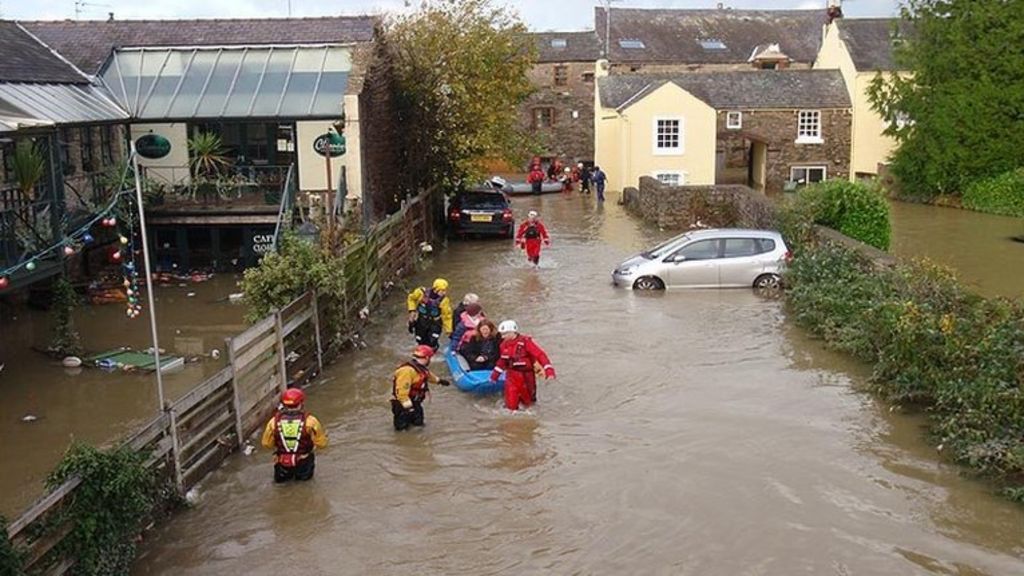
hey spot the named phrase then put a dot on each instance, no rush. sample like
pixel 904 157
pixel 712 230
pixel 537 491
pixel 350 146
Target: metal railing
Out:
pixel 244 185
pixel 288 192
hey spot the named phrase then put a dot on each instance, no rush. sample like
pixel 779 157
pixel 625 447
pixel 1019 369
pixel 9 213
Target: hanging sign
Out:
pixel 331 141
pixel 153 146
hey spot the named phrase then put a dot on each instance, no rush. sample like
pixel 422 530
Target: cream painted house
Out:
pixel 861 49
pixel 762 128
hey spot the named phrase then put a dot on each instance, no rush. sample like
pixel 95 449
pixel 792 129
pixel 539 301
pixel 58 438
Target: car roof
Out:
pixel 732 232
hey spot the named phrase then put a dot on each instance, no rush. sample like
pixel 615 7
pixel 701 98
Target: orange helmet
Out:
pixel 423 351
pixel 293 397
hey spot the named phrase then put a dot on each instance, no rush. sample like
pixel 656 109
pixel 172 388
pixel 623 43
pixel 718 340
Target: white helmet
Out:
pixel 508 326
pixel 532 214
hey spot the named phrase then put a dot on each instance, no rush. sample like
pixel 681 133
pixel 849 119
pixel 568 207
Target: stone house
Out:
pixel 560 112
pixel 861 49
pixel 794 126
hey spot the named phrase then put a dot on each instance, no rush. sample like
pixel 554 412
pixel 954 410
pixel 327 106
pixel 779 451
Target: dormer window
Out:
pixel 631 44
pixel 712 44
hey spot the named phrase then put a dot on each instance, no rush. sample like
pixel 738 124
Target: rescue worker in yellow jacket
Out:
pixel 430 313
pixel 409 388
pixel 293 434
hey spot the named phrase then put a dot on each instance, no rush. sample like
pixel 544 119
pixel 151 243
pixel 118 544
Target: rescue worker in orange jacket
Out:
pixel 518 355
pixel 530 235
pixel 409 388
pixel 294 434
pixel 430 313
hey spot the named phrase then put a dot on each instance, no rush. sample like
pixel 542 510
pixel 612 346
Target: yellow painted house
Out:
pixel 861 49
pixel 762 128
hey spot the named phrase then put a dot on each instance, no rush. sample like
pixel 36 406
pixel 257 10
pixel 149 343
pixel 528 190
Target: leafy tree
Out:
pixel 965 94
pixel 460 72
pixel 66 340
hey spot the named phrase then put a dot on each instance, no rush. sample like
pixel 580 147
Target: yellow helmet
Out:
pixel 440 284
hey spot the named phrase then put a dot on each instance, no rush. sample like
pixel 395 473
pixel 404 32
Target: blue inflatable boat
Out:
pixel 476 381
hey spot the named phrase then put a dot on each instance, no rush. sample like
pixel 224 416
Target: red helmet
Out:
pixel 423 351
pixel 293 397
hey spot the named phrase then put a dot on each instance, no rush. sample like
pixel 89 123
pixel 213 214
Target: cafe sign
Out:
pixel 331 142
pixel 153 146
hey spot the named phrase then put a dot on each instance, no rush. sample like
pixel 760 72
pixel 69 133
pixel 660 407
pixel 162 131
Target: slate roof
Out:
pixel 870 41
pixel 744 90
pixel 673 36
pixel 579 47
pixel 24 59
pixel 88 43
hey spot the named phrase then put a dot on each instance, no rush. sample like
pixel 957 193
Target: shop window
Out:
pixel 543 117
pixel 200 247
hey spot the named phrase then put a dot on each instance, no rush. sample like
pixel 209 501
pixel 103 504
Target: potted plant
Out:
pixel 207 157
pixel 29 168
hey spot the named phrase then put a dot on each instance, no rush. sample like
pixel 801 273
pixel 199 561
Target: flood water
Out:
pixel 92 405
pixel 978 247
pixel 687 433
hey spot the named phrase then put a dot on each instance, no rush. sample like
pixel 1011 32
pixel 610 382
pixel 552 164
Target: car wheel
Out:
pixel 648 283
pixel 768 282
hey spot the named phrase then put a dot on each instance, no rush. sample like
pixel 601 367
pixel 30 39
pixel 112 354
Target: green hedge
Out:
pixel 932 344
pixel 1003 194
pixel 857 210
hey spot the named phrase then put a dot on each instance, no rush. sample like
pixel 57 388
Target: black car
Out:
pixel 484 211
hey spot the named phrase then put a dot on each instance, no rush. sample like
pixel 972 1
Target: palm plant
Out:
pixel 206 159
pixel 29 167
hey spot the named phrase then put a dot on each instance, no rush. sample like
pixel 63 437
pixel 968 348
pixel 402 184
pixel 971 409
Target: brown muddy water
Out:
pixel 89 404
pixel 688 433
pixel 978 247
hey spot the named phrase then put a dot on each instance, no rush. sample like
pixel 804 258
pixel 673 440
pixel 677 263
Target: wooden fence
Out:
pixel 200 429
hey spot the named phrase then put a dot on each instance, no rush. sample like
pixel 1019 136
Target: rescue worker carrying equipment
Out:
pixel 530 235
pixel 430 313
pixel 293 434
pixel 409 388
pixel 518 355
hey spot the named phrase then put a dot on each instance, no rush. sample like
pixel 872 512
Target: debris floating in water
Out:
pixel 29 418
pixel 71 362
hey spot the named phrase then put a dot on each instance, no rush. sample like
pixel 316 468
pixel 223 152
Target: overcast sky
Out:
pixel 539 15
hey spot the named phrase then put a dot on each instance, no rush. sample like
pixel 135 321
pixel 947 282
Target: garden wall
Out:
pixel 684 207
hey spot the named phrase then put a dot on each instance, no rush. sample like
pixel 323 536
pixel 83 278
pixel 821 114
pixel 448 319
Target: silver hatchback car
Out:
pixel 723 257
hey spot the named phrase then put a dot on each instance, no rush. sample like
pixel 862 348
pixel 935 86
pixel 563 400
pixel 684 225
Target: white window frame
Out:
pixel 680 175
pixel 734 120
pixel 808 168
pixel 808 131
pixel 667 151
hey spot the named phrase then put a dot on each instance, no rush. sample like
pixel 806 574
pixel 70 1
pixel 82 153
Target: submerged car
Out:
pixel 483 211
pixel 715 258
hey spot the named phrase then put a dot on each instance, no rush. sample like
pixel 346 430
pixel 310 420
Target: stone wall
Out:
pixel 572 135
pixel 686 207
pixel 778 129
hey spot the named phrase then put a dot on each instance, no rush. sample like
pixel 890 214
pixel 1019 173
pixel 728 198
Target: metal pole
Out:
pixel 149 277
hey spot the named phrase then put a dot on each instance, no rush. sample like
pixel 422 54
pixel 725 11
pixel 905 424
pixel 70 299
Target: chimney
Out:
pixel 110 16
pixel 721 5
pixel 833 11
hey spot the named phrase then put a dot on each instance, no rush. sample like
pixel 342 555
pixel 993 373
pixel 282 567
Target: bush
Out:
pixel 10 557
pixel 285 275
pixel 932 343
pixel 1003 194
pixel 117 492
pixel 857 210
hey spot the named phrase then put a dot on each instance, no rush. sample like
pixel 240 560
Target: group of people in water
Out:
pixel 294 434
pixel 567 176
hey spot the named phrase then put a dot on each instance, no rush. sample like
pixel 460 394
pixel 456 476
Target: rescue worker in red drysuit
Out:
pixel 530 235
pixel 518 355
pixel 409 388
pixel 293 434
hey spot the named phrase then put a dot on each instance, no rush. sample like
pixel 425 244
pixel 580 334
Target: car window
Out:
pixel 700 250
pixel 740 247
pixel 480 200
pixel 666 246
pixel 767 245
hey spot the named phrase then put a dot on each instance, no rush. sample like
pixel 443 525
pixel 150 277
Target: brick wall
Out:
pixel 572 136
pixel 778 129
pixel 686 207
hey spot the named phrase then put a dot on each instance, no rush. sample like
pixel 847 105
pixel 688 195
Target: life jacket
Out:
pixel 430 305
pixel 521 359
pixel 418 391
pixel 532 232
pixel 291 440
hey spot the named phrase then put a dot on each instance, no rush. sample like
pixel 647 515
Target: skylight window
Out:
pixel 631 43
pixel 712 44
pixel 558 43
